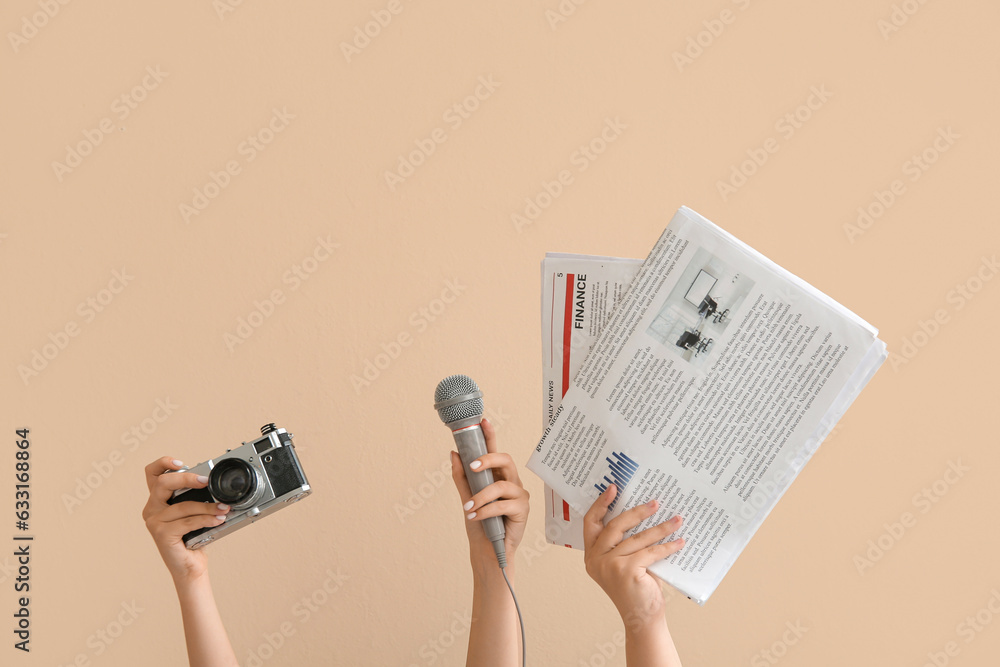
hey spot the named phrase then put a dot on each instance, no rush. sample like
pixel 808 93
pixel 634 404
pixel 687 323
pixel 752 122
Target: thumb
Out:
pixel 593 520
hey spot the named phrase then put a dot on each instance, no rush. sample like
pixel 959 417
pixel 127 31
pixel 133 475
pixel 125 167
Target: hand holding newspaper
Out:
pixel 709 383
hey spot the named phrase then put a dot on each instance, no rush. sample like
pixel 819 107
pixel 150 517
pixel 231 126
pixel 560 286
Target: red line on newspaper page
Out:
pixel 567 331
pixel 552 322
pixel 567 344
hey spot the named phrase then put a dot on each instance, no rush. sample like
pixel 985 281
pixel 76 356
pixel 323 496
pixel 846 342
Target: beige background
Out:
pixel 371 451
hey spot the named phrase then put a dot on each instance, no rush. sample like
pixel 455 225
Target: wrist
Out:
pixel 486 568
pixel 650 643
pixel 483 552
pixel 638 628
pixel 643 619
pixel 188 581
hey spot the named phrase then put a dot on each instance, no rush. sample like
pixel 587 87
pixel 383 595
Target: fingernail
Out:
pixel 202 479
pixel 468 506
pixel 223 506
pixel 470 515
pixel 475 465
pixel 679 519
pixel 651 503
pixel 221 517
pixel 484 420
pixel 178 464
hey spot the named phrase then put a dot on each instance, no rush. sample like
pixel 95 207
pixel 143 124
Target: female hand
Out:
pixel 508 496
pixel 619 567
pixel 169 523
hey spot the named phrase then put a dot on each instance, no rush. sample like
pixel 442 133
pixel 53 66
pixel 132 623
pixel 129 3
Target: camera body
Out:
pixel 256 479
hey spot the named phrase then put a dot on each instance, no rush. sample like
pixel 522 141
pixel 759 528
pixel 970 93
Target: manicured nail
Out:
pixel 475 465
pixel 223 506
pixel 468 506
pixel 470 515
pixel 221 517
pixel 178 464
pixel 202 479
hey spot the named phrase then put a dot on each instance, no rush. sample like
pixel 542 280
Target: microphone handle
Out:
pixel 471 445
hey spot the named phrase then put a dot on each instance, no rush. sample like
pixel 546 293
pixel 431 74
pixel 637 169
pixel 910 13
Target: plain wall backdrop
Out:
pixel 126 148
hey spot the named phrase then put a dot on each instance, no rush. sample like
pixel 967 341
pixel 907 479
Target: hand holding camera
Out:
pixel 190 507
pixel 168 524
pixel 256 479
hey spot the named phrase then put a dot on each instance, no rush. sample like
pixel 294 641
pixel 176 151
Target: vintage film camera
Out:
pixel 256 479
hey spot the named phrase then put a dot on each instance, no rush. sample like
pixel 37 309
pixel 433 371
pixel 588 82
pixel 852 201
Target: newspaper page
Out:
pixel 709 387
pixel 578 294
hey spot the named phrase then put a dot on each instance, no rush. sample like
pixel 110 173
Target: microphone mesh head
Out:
pixel 451 387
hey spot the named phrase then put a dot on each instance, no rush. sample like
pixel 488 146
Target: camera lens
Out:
pixel 232 481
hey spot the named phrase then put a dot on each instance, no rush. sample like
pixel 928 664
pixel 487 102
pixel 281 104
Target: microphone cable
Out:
pixel 459 404
pixel 524 647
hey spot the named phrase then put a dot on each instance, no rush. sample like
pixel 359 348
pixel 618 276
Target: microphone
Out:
pixel 459 404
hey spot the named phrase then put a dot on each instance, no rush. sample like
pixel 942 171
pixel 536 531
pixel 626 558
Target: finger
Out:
pixel 160 466
pixel 655 553
pixel 495 491
pixel 191 508
pixel 624 522
pixel 498 462
pixel 176 530
pixel 593 520
pixel 489 433
pixel 458 476
pixel 514 506
pixel 514 509
pixel 648 537
pixel 166 484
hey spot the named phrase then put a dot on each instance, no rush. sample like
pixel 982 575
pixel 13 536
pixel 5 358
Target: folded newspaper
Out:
pixel 705 377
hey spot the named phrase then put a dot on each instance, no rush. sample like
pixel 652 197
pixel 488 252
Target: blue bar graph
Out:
pixel 621 470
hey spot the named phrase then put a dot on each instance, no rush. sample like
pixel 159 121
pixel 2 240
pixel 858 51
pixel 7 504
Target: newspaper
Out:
pixel 709 387
pixel 579 292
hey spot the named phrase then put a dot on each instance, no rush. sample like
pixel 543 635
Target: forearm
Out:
pixel 650 645
pixel 207 642
pixel 494 638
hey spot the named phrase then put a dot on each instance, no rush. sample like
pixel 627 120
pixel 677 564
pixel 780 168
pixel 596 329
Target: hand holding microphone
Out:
pixel 498 512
